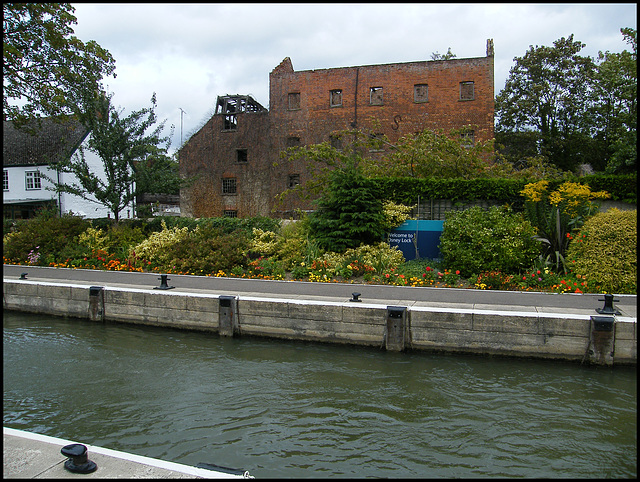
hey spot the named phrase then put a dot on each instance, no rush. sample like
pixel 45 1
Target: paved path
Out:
pixel 390 295
pixel 28 455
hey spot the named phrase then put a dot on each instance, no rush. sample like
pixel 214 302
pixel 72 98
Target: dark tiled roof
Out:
pixel 53 142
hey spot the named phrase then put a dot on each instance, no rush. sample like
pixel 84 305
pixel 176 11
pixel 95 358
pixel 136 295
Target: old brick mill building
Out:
pixel 235 156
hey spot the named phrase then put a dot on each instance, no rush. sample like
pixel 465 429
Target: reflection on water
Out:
pixel 293 409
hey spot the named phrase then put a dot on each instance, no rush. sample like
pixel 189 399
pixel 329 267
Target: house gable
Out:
pixel 52 142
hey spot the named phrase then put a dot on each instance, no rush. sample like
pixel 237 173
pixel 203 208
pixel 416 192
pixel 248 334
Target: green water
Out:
pixel 292 409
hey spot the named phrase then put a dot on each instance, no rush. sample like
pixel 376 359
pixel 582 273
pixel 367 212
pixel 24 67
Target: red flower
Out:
pixel 457 271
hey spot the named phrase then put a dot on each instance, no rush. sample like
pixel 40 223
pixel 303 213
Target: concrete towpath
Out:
pixel 29 455
pixel 583 304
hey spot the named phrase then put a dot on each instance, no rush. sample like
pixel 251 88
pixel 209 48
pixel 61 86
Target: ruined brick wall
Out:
pixel 232 168
pixel 307 107
pixel 391 99
pixel 393 105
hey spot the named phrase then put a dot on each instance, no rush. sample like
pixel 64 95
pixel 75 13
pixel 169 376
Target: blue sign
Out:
pixel 417 239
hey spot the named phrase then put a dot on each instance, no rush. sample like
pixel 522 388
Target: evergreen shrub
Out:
pixel 605 251
pixel 350 213
pixel 476 240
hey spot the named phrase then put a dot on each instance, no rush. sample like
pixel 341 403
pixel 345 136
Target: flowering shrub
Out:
pixel 395 214
pixel 93 238
pixel 433 276
pixel 154 247
pixel 55 236
pixel 495 280
pixel 555 214
pixel 34 256
pixel 264 242
pixel 204 251
pixel 98 259
pixel 265 268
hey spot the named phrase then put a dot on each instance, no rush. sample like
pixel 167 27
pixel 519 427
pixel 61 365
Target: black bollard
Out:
pixel 78 461
pixel 355 297
pixel 23 275
pixel 163 283
pixel 608 308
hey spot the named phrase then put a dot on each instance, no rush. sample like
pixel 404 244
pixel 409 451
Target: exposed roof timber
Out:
pixel 233 104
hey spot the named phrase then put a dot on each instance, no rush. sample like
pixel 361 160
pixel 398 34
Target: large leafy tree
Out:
pixel 434 154
pixel 46 68
pixel 617 112
pixel 549 91
pixel 571 109
pixel 132 150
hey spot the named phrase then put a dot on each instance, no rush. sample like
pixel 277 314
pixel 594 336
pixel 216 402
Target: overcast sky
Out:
pixel 191 53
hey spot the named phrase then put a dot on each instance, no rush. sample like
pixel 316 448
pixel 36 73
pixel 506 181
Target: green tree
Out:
pixel 549 91
pixel 130 149
pixel 45 67
pixel 617 111
pixel 350 212
pixel 434 154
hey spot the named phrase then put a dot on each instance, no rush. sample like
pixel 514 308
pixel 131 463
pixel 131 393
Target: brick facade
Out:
pixel 306 107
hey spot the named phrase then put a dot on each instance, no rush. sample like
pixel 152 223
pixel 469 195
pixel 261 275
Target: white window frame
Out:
pixel 5 180
pixel 33 181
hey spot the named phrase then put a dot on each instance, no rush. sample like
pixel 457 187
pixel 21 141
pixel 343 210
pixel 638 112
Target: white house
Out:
pixel 26 156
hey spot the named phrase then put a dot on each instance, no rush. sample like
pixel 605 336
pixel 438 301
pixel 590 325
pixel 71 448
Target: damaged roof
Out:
pixel 233 104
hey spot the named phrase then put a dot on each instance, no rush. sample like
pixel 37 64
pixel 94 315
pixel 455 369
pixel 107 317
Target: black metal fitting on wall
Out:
pixel 96 303
pixel 78 461
pixel 228 316
pixel 395 328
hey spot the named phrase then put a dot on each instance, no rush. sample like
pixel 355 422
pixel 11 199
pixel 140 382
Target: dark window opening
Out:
pixel 375 96
pixel 228 213
pixel 230 122
pixel 468 139
pixel 241 155
pixel 335 98
pixel 294 100
pixel 420 93
pixel 467 91
pixel 229 185
pixel 294 180
pixel 293 141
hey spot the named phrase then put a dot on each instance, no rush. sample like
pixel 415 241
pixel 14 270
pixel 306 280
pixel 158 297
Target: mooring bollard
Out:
pixel 355 297
pixel 163 283
pixel 608 308
pixel 23 275
pixel 78 461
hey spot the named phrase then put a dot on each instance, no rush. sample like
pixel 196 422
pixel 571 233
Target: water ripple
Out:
pixel 291 410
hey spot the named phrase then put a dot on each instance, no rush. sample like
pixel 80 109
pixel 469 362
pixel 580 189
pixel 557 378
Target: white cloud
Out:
pixel 191 53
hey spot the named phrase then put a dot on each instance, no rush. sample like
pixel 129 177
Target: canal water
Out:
pixel 294 409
